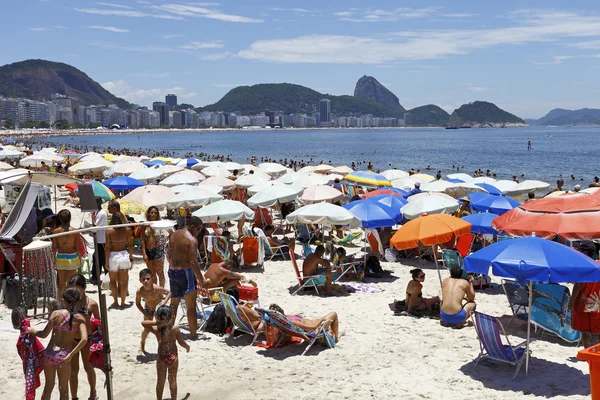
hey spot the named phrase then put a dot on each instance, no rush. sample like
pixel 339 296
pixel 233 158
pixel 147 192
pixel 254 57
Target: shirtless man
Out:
pixel 222 275
pixel 315 264
pixel 154 296
pixel 454 290
pixel 184 270
pixel 67 251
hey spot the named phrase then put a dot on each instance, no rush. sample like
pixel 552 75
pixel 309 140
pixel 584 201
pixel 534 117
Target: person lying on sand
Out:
pixel 310 325
pixel 454 290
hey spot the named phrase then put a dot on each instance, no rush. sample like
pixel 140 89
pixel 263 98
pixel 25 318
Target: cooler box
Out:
pixel 592 356
pixel 248 293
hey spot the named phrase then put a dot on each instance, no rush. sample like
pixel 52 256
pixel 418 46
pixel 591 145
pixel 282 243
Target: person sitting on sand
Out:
pixel 454 290
pixel 168 360
pixel 154 296
pixel 311 325
pixel 414 293
pixel 222 275
pixel 315 264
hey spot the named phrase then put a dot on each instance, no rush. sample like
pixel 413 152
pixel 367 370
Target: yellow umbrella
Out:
pixel 109 157
pixel 128 207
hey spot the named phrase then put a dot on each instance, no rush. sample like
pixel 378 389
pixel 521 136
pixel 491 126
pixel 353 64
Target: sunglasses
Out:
pixel 152 212
pixel 421 276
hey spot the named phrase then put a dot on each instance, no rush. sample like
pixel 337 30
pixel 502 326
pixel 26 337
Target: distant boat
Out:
pixel 452 127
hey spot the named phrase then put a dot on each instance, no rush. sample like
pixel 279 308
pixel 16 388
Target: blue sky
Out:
pixel 527 57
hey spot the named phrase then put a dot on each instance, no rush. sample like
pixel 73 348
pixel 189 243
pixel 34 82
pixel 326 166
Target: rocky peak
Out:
pixel 369 88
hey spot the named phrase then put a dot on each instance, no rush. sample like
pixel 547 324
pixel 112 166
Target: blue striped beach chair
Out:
pixel 231 311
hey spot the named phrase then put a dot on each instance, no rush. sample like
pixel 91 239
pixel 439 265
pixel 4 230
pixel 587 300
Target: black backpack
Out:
pixel 218 321
pixel 373 266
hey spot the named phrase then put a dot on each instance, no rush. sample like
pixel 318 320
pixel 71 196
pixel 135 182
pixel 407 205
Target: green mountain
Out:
pixel 293 99
pixel 39 79
pixel 559 116
pixel 429 115
pixel 481 113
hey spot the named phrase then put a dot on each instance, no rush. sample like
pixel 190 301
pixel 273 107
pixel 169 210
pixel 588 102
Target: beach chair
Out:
pixel 451 259
pixel 287 327
pixel 253 251
pixel 218 248
pixel 307 249
pixel 216 229
pixel 231 311
pixel 518 299
pixel 488 330
pixel 349 238
pixel 303 234
pixel 346 268
pixel 549 311
pixel 464 243
pixel 202 312
pixel 305 281
pixel 374 242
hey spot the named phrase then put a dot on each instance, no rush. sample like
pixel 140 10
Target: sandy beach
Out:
pixel 381 356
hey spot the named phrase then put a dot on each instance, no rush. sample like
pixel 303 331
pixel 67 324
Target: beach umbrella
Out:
pixel 392 174
pixel 462 189
pixel 224 183
pixel 208 186
pixel 561 193
pixel 187 162
pixel 406 183
pixel 245 181
pixel 109 157
pixel 476 196
pixel 455 180
pixel 326 214
pixel 151 195
pixel 483 179
pixel 429 204
pixel 372 214
pixel 591 190
pixel 125 158
pixel 216 170
pixel 304 180
pixel 175 180
pixel 49 149
pixel 123 183
pixel 436 186
pixel 391 201
pixel 148 174
pixel 183 188
pixel 424 177
pixel 367 179
pixel 271 195
pixel 171 169
pixel 528 186
pixel 11 154
pixel 249 167
pixel 320 193
pixel 224 210
pixel 491 189
pixel 201 165
pixel 533 259
pixel 5 166
pixel 166 160
pixel 260 174
pixel 389 190
pixel 191 172
pixel 152 163
pixel 37 158
pixel 252 190
pixel 570 203
pixel 481 223
pixel 462 176
pixel 272 169
pixel 323 168
pixel 232 166
pixel 100 190
pixel 417 196
pixel 494 204
pixel 128 207
pixel 89 166
pixel 127 167
pixel 343 170
pixel 195 197
pixel 307 170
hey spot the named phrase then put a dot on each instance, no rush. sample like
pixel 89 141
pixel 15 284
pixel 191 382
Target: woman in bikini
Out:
pixel 414 293
pixel 67 251
pixel 119 257
pixel 65 325
pixel 168 362
pixel 88 308
pixel 153 247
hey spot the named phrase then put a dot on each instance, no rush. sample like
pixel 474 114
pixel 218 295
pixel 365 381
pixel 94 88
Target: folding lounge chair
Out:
pixel 349 238
pixel 283 324
pixel 345 268
pixel 464 243
pixel 518 299
pixel 252 251
pixel 374 242
pixel 231 311
pixel 303 234
pixel 218 248
pixel 305 281
pixel 451 259
pixel 490 343
pixel 270 252
pixel 549 311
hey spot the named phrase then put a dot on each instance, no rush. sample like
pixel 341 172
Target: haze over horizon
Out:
pixel 525 60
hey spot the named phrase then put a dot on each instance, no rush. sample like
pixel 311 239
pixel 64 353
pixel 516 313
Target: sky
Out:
pixel 527 57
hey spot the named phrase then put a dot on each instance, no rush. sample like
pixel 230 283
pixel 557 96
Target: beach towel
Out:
pixel 31 352
pixel 97 347
pixel 218 247
pixel 252 251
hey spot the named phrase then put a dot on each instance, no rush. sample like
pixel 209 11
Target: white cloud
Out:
pixel 39 29
pixel 378 15
pixel 215 56
pixel 189 10
pixel 123 13
pixel 108 28
pixel 141 49
pixel 114 5
pixel 122 89
pixel 202 45
pixel 478 89
pixel 458 15
pixel 296 10
pixel 228 85
pixel 59 27
pixel 530 27
pixel 170 36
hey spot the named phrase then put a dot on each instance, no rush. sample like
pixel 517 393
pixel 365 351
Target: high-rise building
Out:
pixel 171 100
pixel 325 112
pixel 163 110
pixel 408 119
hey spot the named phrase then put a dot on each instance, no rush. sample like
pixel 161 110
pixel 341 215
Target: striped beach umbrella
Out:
pixel 367 179
pixel 100 190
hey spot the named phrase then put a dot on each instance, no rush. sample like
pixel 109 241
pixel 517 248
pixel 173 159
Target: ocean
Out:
pixel 556 151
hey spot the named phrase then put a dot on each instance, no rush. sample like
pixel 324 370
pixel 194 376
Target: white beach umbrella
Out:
pixel 246 181
pixel 429 204
pixel 591 190
pixel 232 166
pixel 89 166
pixel 461 189
pixel 320 193
pixel 5 166
pixel 252 190
pixel 171 169
pixel 529 186
pixel 291 177
pixel 323 214
pixel 333 177
pixel 269 196
pixel 249 167
pixel 272 169
pixel 323 168
pixel 195 197
pixel 436 186
pixel 224 210
pixel 216 170
pixel 13 175
pixel 209 186
pixel 505 185
pixel 201 165
pixel 151 195
pixel 125 158
pixel 191 172
pixel 407 183
pixel 307 170
pixel 483 179
pixel 175 180
pixel 342 170
pixel 424 177
pixel 305 181
pixel 127 167
pixel 392 174
pixel 148 174
pixel 461 175
pixel 37 158
pixel 49 149
pixel 260 174
pixel 417 196
pixel 225 183
pixel 183 188
pixel 10 154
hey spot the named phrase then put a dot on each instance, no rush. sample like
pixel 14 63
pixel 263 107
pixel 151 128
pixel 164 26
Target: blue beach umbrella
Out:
pixel 373 214
pixel 155 162
pixel 494 204
pixel 187 162
pixel 533 259
pixel 123 183
pixel 455 180
pixel 481 223
pixel 395 203
pixel 491 189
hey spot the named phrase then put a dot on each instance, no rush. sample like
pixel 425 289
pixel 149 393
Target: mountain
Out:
pixel 560 116
pixel 480 114
pixel 39 79
pixel 369 88
pixel 429 115
pixel 293 99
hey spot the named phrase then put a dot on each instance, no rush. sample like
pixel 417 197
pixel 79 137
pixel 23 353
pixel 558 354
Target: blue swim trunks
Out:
pixel 454 319
pixel 182 282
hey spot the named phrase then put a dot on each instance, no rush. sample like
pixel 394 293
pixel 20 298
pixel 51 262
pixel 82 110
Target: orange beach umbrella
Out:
pixel 429 230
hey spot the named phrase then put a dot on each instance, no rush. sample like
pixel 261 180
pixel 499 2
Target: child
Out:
pixel 154 296
pixel 168 361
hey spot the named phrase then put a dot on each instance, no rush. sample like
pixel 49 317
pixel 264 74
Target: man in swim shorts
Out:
pixel 315 264
pixel 184 270
pixel 455 290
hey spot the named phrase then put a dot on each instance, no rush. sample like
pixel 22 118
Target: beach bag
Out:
pixel 390 255
pixel 481 281
pixel 373 266
pixel 217 322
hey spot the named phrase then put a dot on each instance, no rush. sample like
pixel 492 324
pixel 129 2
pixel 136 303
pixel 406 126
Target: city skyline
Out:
pixel 527 60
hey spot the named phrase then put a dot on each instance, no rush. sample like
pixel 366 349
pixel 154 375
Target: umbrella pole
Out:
pixel 436 263
pixel 528 328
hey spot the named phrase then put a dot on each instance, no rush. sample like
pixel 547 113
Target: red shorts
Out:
pixel 585 321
